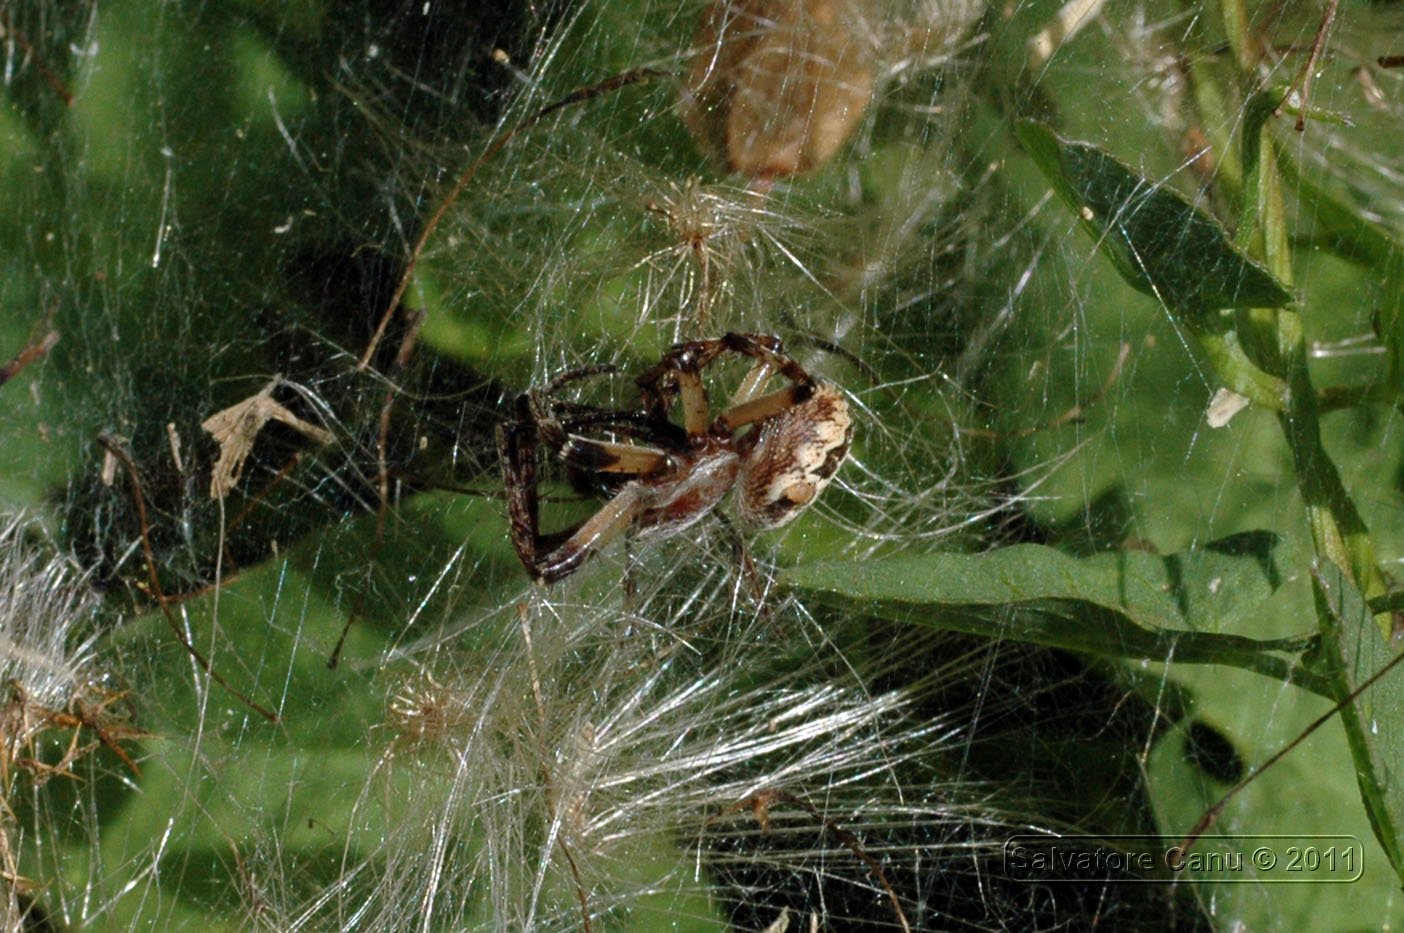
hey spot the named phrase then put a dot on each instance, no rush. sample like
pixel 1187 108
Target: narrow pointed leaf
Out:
pixel 1374 721
pixel 1122 604
pixel 1160 243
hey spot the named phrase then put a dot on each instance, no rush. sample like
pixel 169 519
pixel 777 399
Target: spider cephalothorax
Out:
pixel 777 450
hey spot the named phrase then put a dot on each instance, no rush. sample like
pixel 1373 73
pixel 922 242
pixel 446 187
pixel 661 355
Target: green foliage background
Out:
pixel 201 198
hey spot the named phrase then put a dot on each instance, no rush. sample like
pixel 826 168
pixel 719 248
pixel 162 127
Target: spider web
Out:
pixel 212 207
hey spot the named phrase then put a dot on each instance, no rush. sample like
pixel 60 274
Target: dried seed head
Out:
pixel 778 86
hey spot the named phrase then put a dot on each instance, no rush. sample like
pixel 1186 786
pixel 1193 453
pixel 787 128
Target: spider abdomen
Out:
pixel 792 456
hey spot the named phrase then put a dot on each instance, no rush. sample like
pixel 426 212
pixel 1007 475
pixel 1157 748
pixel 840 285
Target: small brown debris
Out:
pixel 237 427
pixel 33 351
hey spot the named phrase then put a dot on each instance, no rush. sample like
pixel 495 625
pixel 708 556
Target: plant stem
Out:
pixel 1338 532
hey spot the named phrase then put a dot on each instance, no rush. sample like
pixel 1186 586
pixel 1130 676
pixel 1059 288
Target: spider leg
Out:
pixel 744 563
pixel 695 406
pixel 616 517
pixel 607 457
pixel 767 406
pixel 602 456
pixel 575 375
pixel 770 359
pixel 516 447
pixel 569 417
pixel 768 351
pixel 679 374
pixel 754 381
pixel 550 557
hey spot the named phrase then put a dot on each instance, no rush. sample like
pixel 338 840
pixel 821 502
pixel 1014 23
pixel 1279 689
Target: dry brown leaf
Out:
pixel 237 427
pixel 778 86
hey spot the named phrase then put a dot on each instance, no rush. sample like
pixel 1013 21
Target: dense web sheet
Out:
pixel 1122 349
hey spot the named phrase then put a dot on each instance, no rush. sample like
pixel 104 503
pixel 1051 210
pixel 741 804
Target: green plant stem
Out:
pixel 1338 532
pixel 1238 29
pixel 1210 102
pixel 1275 338
pixel 1239 371
pixel 1359 240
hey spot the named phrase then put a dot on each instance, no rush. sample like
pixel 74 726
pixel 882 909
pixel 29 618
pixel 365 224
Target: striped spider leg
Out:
pixel 777 450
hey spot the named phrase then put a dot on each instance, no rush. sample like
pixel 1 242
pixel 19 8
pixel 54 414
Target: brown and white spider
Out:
pixel 777 450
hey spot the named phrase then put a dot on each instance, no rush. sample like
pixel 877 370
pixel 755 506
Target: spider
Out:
pixel 777 450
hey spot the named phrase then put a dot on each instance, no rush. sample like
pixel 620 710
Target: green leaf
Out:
pixel 1161 244
pixel 1373 723
pixel 1121 604
pixel 1349 233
